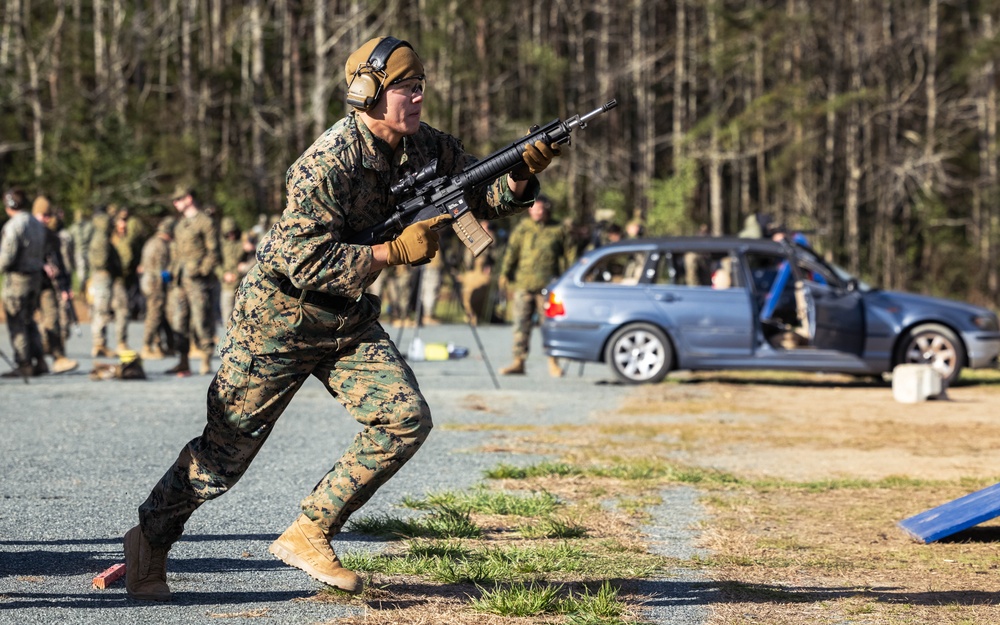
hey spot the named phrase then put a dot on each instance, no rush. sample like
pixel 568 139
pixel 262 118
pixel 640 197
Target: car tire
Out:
pixel 639 353
pixel 936 345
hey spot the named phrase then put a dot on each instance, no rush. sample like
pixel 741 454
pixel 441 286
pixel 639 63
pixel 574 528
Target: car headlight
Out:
pixel 987 323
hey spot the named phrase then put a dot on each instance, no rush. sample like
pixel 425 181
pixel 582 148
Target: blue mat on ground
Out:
pixel 954 516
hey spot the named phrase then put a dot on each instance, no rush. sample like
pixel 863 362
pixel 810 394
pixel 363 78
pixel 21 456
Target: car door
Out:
pixel 705 304
pixel 835 309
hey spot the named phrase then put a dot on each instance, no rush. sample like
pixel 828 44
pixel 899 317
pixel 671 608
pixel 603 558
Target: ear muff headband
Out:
pixel 369 79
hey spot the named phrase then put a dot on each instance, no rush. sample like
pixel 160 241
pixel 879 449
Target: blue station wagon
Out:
pixel 649 306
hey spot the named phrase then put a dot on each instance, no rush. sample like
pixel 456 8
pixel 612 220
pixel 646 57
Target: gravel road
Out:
pixel 78 456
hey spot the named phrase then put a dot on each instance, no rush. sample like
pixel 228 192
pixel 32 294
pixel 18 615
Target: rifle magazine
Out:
pixel 471 233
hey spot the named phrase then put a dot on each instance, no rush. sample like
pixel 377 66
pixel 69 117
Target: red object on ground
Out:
pixel 109 576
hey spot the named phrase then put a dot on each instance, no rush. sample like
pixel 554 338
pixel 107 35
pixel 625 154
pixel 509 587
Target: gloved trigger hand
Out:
pixel 416 243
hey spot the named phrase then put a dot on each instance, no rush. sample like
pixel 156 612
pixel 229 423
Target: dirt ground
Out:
pixel 806 428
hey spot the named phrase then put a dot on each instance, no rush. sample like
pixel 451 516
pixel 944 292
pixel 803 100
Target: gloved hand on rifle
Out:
pixel 536 157
pixel 417 242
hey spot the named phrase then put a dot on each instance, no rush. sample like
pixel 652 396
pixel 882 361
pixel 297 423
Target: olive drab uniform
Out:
pixel 195 257
pixel 302 310
pixel 22 255
pixel 536 253
pixel 155 264
pixel 106 287
pixel 236 258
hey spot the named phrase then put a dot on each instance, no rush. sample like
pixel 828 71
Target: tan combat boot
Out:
pixel 306 547
pixel 151 352
pixel 515 368
pixel 145 568
pixel 101 351
pixel 63 364
pixel 555 370
pixel 206 365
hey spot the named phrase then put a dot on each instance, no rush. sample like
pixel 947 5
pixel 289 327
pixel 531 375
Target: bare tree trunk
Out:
pixel 320 92
pixel 714 159
pixel 680 76
pixel 851 151
pixel 988 217
pixel 257 156
pixel 189 9
pixel 645 147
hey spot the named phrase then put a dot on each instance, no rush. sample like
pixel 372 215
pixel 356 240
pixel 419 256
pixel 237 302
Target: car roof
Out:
pixel 696 243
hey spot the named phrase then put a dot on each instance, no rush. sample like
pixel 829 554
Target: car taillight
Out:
pixel 554 306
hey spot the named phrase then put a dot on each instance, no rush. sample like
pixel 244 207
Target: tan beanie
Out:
pixel 403 62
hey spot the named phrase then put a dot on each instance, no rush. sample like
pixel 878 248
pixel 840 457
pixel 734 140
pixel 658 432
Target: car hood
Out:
pixel 911 303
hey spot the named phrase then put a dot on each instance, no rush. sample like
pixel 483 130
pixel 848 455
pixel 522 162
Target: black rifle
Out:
pixel 430 195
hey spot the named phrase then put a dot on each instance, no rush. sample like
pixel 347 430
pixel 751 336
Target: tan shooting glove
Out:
pixel 416 243
pixel 537 156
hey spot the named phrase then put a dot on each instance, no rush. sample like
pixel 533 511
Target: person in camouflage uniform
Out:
pixel 55 288
pixel 126 237
pixel 154 276
pixel 196 255
pixel 106 288
pixel 536 253
pixel 302 310
pixel 22 256
pixel 237 257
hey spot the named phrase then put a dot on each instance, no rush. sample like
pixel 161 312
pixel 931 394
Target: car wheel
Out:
pixel 639 353
pixel 933 344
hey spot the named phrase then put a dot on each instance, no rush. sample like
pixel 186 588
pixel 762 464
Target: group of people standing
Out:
pixel 183 277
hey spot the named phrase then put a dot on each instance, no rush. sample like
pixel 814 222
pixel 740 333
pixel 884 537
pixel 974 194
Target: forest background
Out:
pixel 871 124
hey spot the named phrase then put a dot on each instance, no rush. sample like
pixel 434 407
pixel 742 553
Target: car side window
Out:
pixel 697 269
pixel 618 268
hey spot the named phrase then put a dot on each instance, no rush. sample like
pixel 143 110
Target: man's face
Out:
pixel 397 112
pixel 182 203
pixel 538 211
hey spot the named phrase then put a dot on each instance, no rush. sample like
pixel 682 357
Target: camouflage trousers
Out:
pixel 275 343
pixel 109 303
pixel 526 305
pixel 192 314
pixel 156 317
pixel 50 327
pixel 20 300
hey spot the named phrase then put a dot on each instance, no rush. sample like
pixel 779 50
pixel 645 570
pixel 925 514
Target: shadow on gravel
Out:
pixel 118 599
pixel 798 382
pixel 54 561
pixel 740 592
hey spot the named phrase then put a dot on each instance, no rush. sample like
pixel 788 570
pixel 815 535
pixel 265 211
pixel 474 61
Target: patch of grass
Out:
pixel 518 599
pixel 544 469
pixel 603 607
pixel 523 600
pixel 635 470
pixel 442 522
pixel 552 528
pixel 485 501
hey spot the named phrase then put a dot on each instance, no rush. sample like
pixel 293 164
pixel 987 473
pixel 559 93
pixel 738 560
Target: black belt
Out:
pixel 316 298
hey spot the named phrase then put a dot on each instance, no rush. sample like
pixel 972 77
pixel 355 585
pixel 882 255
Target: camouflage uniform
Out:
pixel 195 257
pixel 234 266
pixel 535 254
pixel 280 337
pixel 106 286
pixel 22 255
pixel 155 261
pixel 55 281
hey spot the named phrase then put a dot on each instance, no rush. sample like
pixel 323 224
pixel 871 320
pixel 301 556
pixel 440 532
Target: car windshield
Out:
pixel 845 276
